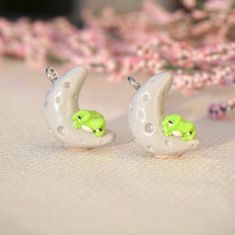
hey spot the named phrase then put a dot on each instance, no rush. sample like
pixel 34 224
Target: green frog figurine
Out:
pixel 176 125
pixel 90 121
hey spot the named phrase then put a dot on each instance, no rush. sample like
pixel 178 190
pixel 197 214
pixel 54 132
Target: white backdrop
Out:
pixel 120 189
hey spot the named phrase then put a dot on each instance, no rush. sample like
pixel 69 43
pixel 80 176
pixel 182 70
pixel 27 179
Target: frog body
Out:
pixel 90 121
pixel 176 125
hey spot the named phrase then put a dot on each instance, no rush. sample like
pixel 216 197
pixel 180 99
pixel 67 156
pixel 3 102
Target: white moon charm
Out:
pixel 145 116
pixel 61 102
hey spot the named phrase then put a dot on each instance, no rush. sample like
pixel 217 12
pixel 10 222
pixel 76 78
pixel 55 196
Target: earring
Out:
pixel 75 127
pixel 163 135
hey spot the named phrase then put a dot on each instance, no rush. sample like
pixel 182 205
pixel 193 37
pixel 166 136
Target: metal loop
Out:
pixel 51 73
pixel 133 82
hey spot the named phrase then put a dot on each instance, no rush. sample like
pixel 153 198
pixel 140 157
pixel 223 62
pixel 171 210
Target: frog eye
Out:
pixel 98 130
pixel 170 122
pixel 190 133
pixel 79 117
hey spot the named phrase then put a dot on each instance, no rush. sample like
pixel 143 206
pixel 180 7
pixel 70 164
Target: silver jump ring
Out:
pixel 133 82
pixel 51 73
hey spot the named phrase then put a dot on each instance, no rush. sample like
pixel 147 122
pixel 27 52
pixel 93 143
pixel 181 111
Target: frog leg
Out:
pixel 194 133
pixel 98 126
pixel 167 132
pixel 186 137
pixel 76 124
pixel 164 127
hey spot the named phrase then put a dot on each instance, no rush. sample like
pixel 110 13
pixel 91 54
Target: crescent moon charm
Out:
pixel 146 114
pixel 61 102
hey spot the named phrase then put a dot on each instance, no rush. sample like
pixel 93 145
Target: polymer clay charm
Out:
pixel 75 127
pixel 163 135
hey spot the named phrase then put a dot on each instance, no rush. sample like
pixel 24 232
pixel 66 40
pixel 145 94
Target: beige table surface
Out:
pixel 117 190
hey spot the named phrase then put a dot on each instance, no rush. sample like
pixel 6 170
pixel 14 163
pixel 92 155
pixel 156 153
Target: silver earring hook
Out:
pixel 133 82
pixel 51 73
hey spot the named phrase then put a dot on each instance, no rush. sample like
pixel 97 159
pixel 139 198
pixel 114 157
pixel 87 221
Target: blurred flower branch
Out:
pixel 195 43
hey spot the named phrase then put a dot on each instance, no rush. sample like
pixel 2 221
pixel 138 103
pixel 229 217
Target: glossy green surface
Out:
pixel 176 125
pixel 91 121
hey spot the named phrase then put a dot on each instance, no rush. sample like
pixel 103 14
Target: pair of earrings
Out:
pixel 79 128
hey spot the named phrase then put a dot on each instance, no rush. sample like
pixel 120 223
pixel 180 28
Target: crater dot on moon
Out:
pixel 61 130
pixel 58 99
pixel 67 84
pixel 149 127
pixel 141 115
pixel 146 97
